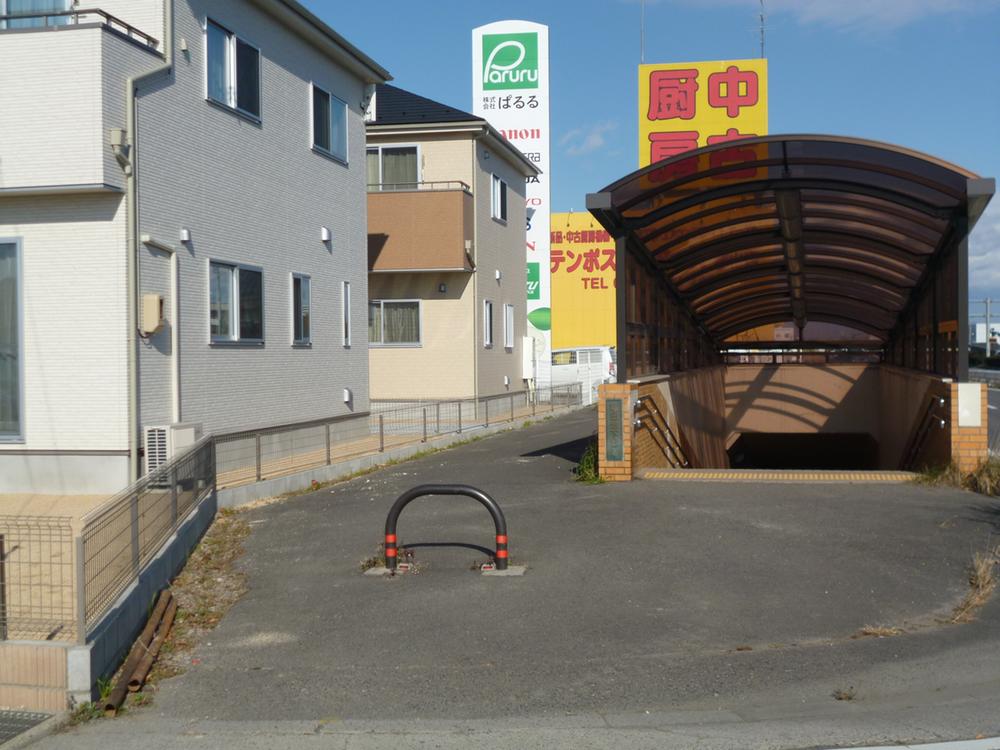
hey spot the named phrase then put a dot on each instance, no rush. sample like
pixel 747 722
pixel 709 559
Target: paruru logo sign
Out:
pixel 510 61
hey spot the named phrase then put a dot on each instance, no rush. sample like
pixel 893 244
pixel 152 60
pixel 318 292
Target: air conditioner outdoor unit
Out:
pixel 163 442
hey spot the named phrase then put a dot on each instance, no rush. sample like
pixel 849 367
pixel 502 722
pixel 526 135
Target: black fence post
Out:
pixel 3 590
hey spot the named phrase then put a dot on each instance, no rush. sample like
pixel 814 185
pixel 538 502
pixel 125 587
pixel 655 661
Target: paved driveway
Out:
pixel 642 599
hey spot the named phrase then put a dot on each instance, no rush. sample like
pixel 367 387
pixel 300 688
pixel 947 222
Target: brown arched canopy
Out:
pixel 800 228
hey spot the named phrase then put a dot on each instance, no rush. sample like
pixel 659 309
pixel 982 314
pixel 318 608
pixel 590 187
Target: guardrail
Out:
pixel 979 375
pixel 402 187
pixel 253 455
pixel 53 19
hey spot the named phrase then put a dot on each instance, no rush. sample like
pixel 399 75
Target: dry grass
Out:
pixel 982 582
pixel 878 631
pixel 984 480
pixel 205 590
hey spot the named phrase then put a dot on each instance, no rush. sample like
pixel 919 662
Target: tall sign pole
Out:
pixel 510 89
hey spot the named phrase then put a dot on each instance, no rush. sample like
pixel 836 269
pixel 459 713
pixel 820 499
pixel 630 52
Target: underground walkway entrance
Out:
pixel 792 302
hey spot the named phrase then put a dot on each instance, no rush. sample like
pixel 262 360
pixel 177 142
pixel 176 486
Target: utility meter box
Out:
pixel 152 313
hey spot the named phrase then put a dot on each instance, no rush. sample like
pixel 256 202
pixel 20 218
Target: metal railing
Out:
pixel 671 447
pixel 253 455
pixel 37 599
pixel 124 534
pixel 402 187
pixel 53 19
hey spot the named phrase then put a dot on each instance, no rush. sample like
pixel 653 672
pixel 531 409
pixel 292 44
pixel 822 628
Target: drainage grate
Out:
pixel 13 723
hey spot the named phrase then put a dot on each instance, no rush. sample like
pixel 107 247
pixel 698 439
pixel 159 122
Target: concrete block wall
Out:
pixel 33 676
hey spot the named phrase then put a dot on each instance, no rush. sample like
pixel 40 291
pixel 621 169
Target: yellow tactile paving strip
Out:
pixel 762 475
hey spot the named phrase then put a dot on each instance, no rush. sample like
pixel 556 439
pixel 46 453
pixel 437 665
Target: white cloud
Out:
pixel 582 141
pixel 984 251
pixel 870 15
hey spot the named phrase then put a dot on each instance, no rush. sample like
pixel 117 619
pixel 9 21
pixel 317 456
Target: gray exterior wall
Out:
pixel 499 246
pixel 253 193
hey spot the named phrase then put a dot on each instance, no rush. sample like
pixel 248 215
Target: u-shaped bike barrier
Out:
pixel 500 557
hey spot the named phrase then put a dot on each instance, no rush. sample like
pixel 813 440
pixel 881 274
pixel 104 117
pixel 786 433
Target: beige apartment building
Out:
pixel 446 233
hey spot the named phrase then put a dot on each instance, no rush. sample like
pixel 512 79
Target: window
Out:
pixel 33 8
pixel 508 326
pixel 329 124
pixel 499 199
pixel 10 341
pixel 487 323
pixel 300 309
pixel 346 297
pixel 394 322
pixel 393 167
pixel 233 70
pixel 236 303
pixel 565 357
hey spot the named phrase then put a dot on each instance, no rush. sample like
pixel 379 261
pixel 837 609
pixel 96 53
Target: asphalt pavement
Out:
pixel 652 614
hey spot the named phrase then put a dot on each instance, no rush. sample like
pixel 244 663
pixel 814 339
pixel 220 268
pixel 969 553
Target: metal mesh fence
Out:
pixel 125 533
pixel 253 455
pixel 36 578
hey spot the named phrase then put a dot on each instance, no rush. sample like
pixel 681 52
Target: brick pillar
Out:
pixel 614 454
pixel 969 421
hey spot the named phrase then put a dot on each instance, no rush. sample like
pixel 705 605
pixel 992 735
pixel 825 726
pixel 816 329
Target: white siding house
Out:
pixel 247 156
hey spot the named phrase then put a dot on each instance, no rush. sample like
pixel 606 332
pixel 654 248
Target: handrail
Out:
pixel 402 187
pixel 445 489
pixel 679 456
pixel 109 20
pixel 923 430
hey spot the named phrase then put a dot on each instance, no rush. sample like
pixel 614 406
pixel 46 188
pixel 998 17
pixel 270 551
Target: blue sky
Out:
pixel 921 73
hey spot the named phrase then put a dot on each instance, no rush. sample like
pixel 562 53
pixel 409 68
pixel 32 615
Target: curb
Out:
pixel 50 726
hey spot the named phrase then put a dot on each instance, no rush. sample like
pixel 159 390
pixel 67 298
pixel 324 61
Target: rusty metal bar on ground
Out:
pixel 500 557
pixel 139 649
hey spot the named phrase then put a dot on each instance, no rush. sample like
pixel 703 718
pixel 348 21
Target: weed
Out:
pixel 877 631
pixel 141 699
pixel 982 582
pixel 986 479
pixel 403 555
pixel 86 712
pixel 940 476
pixel 844 694
pixel 587 470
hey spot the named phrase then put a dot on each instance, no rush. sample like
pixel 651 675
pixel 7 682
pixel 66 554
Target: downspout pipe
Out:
pixel 132 86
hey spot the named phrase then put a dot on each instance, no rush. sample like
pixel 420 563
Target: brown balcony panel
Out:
pixel 419 230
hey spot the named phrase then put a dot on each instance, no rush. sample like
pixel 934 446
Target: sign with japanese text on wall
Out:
pixel 683 106
pixel 510 89
pixel 582 265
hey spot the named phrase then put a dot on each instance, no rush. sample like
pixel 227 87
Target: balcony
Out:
pixel 69 91
pixel 420 226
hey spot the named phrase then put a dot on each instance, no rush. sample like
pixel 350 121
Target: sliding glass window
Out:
pixel 34 11
pixel 10 341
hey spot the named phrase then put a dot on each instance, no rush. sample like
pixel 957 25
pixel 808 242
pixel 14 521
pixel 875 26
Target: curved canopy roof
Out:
pixel 794 228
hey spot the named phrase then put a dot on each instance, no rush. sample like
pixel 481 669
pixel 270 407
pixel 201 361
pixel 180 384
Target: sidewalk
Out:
pixel 652 614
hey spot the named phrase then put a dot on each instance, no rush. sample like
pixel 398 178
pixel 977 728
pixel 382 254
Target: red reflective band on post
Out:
pixel 390 538
pixel 501 538
pixel 390 552
pixel 501 553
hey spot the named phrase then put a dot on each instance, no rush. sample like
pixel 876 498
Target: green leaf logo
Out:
pixel 541 318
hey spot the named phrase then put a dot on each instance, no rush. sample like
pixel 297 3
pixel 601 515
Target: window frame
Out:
pixel 19 436
pixel 235 339
pixel 400 344
pixel 379 147
pixel 488 324
pixel 306 339
pixel 57 21
pixel 498 198
pixel 232 94
pixel 328 152
pixel 508 327
pixel 345 311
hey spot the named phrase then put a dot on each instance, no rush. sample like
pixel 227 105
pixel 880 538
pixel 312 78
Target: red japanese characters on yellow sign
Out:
pixel 683 106
pixel 582 263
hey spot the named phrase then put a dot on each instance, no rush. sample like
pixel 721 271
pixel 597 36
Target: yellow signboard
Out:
pixel 582 262
pixel 683 106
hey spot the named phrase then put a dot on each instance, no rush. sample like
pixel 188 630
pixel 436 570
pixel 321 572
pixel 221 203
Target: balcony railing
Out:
pixel 402 187
pixel 53 19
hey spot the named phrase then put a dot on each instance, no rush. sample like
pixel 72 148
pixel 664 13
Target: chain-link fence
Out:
pixel 253 455
pixel 125 533
pixel 37 578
